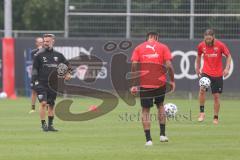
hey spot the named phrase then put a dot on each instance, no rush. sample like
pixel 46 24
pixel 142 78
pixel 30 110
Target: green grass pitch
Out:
pixel 119 135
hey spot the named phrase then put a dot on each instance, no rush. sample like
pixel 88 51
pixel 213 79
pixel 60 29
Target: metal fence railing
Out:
pixel 33 33
pixel 133 18
pixel 173 19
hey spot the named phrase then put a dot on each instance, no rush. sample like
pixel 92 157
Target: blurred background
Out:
pixel 177 19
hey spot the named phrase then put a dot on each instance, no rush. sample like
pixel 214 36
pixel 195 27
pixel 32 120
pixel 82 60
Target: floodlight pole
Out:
pixel 128 20
pixel 7 18
pixel 8 53
pixel 191 34
pixel 66 24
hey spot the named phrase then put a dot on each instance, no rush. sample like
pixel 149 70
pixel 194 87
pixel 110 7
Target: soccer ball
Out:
pixel 3 95
pixel 204 82
pixel 62 69
pixel 170 109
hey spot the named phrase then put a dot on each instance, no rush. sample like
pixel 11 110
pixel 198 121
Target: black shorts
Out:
pixel 148 94
pixel 44 93
pixel 32 86
pixel 216 83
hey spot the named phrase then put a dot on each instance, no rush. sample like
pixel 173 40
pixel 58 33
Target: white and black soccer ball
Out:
pixel 3 95
pixel 62 69
pixel 170 109
pixel 204 82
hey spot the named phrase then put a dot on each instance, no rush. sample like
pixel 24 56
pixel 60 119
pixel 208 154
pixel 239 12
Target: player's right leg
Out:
pixel 216 97
pixel 33 100
pixel 42 98
pixel 201 98
pixel 42 113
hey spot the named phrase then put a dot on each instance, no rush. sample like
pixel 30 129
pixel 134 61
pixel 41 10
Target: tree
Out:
pixel 17 12
pixel 49 15
pixel 43 15
pixel 35 14
pixel 1 14
pixel 225 27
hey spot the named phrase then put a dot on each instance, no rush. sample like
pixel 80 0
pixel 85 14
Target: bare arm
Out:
pixel 170 69
pixel 228 62
pixel 133 77
pixel 197 65
pixel 134 70
pixel 171 74
pixel 227 67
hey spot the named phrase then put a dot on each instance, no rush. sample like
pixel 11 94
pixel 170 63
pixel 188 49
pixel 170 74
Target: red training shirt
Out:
pixel 212 57
pixel 152 56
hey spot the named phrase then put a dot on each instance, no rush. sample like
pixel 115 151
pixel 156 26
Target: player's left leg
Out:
pixel 51 118
pixel 51 102
pixel 162 123
pixel 217 88
pixel 160 93
pixel 216 97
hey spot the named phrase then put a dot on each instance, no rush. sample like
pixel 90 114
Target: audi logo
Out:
pixel 185 65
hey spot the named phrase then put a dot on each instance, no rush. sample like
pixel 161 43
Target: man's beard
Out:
pixel 210 43
pixel 48 48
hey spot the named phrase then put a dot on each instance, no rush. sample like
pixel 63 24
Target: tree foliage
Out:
pixel 49 15
pixel 36 14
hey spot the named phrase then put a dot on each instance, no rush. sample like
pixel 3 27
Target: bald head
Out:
pixel 39 42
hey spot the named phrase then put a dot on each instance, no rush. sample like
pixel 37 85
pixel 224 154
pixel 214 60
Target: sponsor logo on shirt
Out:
pixel 151 47
pixel 215 49
pixel 44 59
pixel 211 55
pixel 55 59
pixel 150 56
pixel 40 96
pixel 51 65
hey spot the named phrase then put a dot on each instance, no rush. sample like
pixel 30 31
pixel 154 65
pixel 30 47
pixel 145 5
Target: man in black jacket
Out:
pixel 46 62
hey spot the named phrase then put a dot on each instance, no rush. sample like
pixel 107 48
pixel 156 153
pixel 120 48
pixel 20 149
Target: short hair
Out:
pixel 49 35
pixel 209 32
pixel 152 34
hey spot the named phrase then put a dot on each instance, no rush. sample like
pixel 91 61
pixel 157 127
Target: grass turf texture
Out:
pixel 119 134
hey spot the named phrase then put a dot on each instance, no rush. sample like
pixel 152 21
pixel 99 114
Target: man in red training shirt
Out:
pixel 154 60
pixel 212 50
